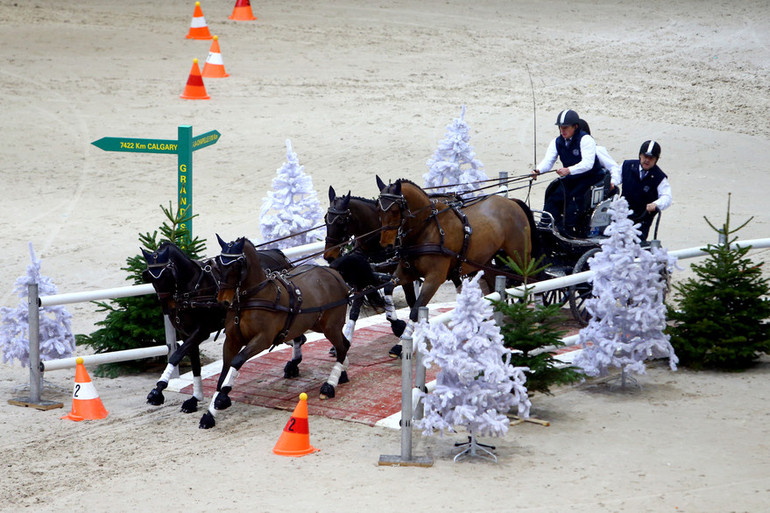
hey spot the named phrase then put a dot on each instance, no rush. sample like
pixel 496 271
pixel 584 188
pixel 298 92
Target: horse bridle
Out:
pixel 334 216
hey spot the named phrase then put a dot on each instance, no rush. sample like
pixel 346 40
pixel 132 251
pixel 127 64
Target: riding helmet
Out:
pixel 650 148
pixel 567 117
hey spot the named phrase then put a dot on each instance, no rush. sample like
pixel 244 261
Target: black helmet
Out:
pixel 583 124
pixel 567 117
pixel 650 148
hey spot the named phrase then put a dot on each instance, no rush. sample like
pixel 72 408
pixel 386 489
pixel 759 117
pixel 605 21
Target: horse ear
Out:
pixel 397 188
pixel 332 194
pixel 147 255
pixel 380 184
pixel 221 242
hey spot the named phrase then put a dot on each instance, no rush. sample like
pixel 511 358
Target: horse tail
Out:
pixel 358 274
pixel 536 251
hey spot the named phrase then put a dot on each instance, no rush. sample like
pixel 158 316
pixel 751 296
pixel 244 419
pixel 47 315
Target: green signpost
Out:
pixel 183 147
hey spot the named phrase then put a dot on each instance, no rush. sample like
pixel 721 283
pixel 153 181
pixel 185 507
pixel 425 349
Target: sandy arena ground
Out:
pixel 364 89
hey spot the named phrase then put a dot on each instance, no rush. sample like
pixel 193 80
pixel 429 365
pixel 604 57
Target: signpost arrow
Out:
pixel 182 147
pixel 137 145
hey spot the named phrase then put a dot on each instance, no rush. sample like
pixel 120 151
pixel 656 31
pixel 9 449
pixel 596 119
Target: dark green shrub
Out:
pixel 532 331
pixel 720 319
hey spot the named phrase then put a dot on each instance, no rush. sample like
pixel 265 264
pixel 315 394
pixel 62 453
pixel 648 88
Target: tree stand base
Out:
pixel 473 448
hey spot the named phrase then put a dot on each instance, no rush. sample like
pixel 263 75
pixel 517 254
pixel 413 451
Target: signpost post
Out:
pixel 183 147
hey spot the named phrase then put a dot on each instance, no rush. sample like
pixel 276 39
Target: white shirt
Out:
pixel 587 151
pixel 609 164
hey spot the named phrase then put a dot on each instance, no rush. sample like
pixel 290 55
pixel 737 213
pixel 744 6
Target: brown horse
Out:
pixel 438 241
pixel 264 310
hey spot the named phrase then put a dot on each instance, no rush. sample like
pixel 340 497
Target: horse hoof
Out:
pixel 327 391
pixel 333 352
pixel 190 405
pixel 344 378
pixel 207 421
pixel 395 351
pixel 291 369
pixel 222 402
pixel 398 326
pixel 155 397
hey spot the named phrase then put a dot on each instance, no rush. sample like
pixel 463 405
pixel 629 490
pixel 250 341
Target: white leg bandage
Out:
pixel 334 377
pixel 167 373
pixel 390 309
pixel 212 410
pixel 296 351
pixel 198 387
pixel 232 374
pixel 348 330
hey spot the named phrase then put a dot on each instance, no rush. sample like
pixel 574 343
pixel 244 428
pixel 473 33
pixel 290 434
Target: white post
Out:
pixel 500 289
pixel 419 368
pixel 35 376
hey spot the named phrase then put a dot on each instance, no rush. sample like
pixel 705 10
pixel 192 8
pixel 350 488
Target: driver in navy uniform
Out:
pixel 645 186
pixel 580 170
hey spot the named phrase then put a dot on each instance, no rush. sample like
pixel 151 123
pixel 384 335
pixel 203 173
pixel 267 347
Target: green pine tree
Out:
pixel 532 331
pixel 134 322
pixel 720 320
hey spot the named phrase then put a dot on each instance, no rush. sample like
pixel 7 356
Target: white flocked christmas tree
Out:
pixel 627 309
pixel 476 384
pixel 454 167
pixel 56 339
pixel 292 207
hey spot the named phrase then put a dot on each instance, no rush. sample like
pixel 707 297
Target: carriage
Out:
pixel 565 255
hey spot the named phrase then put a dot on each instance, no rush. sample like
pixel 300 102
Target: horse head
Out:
pixel 232 266
pixel 391 203
pixel 158 263
pixel 337 221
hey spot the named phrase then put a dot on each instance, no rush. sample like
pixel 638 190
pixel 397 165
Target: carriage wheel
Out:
pixel 555 297
pixel 578 294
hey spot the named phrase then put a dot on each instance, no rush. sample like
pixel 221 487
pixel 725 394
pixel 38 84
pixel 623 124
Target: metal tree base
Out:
pixel 473 448
pixel 623 381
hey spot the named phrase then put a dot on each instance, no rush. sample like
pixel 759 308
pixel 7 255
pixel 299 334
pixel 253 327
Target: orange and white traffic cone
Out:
pixel 198 27
pixel 214 67
pixel 86 404
pixel 194 89
pixel 242 11
pixel 295 439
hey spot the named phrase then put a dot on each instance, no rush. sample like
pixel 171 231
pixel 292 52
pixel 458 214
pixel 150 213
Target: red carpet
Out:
pixel 373 393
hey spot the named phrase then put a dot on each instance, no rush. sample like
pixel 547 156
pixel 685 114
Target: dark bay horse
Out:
pixel 351 217
pixel 187 290
pixel 438 241
pixel 265 309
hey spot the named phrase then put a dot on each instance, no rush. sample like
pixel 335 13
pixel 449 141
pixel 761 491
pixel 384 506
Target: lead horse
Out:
pixel 187 291
pixel 265 309
pixel 440 241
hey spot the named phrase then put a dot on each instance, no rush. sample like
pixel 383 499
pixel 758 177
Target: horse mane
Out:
pixel 365 200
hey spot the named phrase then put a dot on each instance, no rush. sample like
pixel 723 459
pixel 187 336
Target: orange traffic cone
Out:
pixel 86 404
pixel 214 67
pixel 195 90
pixel 295 439
pixel 242 11
pixel 198 27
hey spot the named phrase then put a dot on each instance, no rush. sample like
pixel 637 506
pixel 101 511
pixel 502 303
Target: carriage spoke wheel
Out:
pixel 578 294
pixel 555 297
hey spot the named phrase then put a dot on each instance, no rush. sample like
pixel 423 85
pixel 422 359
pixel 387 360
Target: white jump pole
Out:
pixel 95 295
pixel 111 357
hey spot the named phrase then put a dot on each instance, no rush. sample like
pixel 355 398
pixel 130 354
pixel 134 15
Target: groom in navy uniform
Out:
pixel 645 186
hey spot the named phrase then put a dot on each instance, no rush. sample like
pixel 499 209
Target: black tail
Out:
pixel 357 272
pixel 537 248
